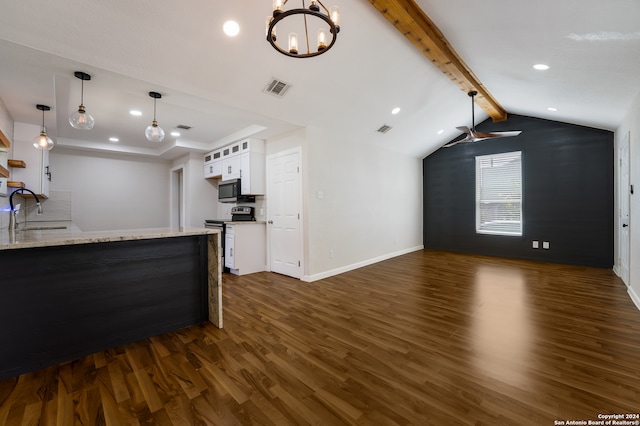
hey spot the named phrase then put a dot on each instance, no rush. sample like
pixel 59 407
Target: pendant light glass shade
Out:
pixel 80 119
pixel 154 133
pixel 43 141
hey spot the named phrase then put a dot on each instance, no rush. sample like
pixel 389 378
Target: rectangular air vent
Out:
pixel 183 127
pixel 277 88
pixel 384 129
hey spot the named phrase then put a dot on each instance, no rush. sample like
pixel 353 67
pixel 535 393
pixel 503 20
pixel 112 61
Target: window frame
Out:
pixel 481 227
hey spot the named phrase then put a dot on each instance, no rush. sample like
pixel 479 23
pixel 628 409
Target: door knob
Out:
pixel 270 222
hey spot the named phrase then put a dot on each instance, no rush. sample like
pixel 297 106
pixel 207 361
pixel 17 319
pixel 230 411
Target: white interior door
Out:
pixel 284 213
pixel 623 196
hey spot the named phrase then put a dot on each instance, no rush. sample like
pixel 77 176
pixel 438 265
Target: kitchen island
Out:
pixel 65 294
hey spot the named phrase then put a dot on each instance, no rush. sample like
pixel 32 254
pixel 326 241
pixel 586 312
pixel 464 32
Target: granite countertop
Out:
pixel 55 236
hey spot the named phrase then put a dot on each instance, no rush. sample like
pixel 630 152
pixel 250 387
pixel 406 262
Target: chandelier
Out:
pixel 305 20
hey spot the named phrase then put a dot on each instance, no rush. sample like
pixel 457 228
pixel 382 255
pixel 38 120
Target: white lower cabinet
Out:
pixel 245 247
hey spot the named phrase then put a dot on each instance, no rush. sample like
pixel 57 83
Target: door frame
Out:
pixel 300 248
pixel 177 194
pixel 624 191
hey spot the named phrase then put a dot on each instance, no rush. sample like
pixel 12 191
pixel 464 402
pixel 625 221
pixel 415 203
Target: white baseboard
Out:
pixel 634 297
pixel 347 268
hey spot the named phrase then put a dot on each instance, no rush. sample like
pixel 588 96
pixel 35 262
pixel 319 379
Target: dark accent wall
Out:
pixel 567 191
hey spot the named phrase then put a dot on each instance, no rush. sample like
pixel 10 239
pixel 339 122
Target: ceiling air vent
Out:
pixel 277 88
pixel 384 129
pixel 183 127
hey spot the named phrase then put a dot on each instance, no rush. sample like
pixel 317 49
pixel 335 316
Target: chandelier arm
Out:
pixel 306 30
pixel 324 7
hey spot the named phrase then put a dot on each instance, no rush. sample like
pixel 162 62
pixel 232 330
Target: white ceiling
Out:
pixel 215 83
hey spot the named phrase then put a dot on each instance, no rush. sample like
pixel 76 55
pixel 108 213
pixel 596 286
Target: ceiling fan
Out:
pixel 472 135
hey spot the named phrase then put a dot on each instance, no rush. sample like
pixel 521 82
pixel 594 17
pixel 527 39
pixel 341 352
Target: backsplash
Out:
pixel 56 208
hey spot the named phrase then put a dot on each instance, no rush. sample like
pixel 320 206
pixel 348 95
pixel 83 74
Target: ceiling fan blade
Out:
pixel 489 135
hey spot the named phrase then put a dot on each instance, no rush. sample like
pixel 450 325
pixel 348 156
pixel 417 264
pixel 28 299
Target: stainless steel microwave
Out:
pixel 231 192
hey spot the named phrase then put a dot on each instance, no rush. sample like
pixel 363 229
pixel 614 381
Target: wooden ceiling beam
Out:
pixel 408 18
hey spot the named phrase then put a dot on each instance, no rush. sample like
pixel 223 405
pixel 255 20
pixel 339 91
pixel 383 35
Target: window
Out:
pixel 499 194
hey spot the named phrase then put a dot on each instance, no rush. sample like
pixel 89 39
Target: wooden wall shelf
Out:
pixel 4 173
pixel 12 184
pixel 18 164
pixel 4 142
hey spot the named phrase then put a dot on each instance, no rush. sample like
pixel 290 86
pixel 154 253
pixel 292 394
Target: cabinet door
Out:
pixel 231 168
pixel 45 174
pixel 245 173
pixel 229 249
pixel 213 169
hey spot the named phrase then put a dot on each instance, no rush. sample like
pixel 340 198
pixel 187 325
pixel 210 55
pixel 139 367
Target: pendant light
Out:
pixel 43 141
pixel 80 119
pixel 154 133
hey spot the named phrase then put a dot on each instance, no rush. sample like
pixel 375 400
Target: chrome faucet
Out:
pixel 13 213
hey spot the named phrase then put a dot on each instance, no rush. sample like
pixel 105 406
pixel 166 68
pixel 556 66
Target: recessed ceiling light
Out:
pixel 175 134
pixel 135 112
pixel 395 110
pixel 231 28
pixel 441 131
pixel 552 109
pixel 541 67
pixel 113 139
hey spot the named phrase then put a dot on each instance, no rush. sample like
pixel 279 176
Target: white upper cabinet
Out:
pixel 244 159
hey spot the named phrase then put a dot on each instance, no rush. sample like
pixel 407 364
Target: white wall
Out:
pixel 631 123
pixel 200 194
pixel 371 205
pixel 112 191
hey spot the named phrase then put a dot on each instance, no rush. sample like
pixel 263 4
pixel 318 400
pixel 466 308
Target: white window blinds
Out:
pixel 499 194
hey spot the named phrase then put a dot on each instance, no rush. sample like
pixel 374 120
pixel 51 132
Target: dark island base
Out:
pixel 60 303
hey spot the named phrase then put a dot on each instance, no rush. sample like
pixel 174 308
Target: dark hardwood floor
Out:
pixel 425 338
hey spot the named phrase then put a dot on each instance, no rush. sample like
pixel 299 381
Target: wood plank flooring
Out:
pixel 428 338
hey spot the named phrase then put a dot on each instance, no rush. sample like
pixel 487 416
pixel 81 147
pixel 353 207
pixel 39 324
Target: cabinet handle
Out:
pixel 48 173
pixel 229 168
pixel 231 252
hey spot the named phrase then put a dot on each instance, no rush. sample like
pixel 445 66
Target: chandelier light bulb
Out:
pixel 293 43
pixel 322 39
pixel 334 13
pixel 277 6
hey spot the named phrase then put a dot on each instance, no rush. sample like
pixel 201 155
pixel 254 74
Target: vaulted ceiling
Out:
pixel 422 57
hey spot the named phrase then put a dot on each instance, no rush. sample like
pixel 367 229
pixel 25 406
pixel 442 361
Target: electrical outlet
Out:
pixel 536 244
pixel 330 254
pixel 261 212
pixel 545 245
pixel 320 195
